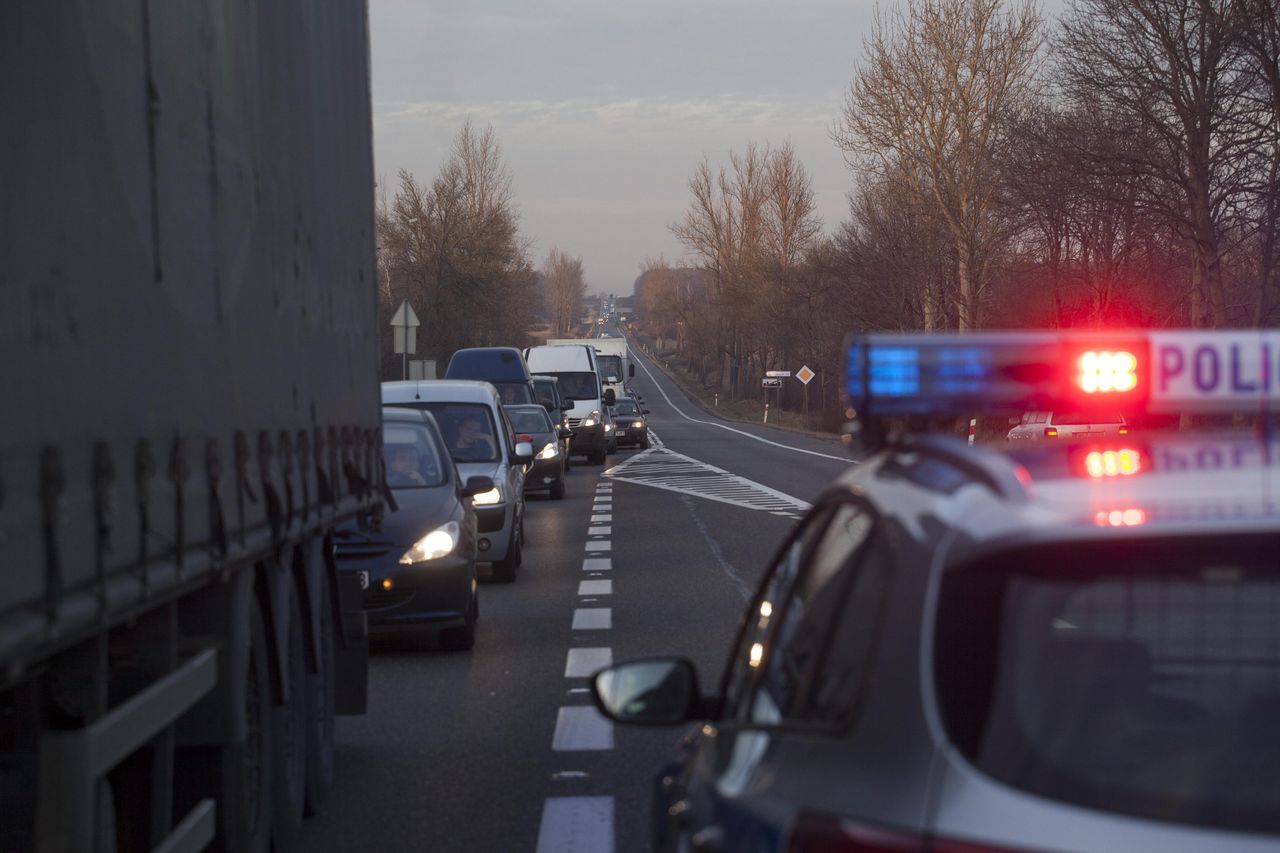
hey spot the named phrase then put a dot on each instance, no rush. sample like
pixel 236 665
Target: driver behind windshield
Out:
pixel 402 468
pixel 472 441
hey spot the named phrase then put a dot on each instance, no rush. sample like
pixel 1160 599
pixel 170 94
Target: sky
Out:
pixel 605 108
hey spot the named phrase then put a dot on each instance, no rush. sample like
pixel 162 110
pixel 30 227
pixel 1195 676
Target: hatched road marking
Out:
pixel 675 472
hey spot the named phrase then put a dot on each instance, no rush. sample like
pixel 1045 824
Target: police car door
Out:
pixel 781 687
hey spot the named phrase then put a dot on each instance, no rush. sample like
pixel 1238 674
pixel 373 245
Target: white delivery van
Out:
pixel 577 375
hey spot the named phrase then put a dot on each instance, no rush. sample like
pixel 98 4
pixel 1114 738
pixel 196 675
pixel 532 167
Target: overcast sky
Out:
pixel 604 108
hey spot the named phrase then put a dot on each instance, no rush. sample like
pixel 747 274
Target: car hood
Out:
pixel 417 513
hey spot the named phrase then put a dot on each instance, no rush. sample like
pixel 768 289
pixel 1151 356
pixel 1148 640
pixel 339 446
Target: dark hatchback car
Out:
pixel 547 470
pixel 418 569
pixel 503 367
pixel 629 424
pixel 547 393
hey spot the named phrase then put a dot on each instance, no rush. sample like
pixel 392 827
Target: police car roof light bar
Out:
pixel 1161 372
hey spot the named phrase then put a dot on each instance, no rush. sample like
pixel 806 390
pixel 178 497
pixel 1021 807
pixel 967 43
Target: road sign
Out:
pixel 405 329
pixel 768 382
pixel 804 374
pixel 780 374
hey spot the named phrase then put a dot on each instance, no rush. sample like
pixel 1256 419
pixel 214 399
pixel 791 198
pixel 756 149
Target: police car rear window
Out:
pixel 1140 678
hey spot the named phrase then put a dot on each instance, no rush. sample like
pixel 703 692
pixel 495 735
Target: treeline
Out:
pixel 454 250
pixel 1117 167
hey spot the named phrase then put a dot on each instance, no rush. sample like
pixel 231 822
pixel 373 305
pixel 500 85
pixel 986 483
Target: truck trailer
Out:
pixel 190 406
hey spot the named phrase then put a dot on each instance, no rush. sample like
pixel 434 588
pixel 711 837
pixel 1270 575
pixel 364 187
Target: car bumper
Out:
pixel 493 524
pixel 587 440
pixel 543 473
pixel 438 593
pixel 632 435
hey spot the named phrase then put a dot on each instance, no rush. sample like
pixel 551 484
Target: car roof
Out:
pixel 439 391
pixel 1196 485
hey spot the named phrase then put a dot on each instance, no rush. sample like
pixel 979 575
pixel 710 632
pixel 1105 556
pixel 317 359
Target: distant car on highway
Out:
pixel 480 438
pixel 418 568
pixel 1065 426
pixel 1065 646
pixel 550 462
pixel 629 424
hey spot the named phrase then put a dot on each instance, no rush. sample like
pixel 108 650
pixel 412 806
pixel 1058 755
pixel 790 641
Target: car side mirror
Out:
pixel 609 397
pixel 550 407
pixel 650 692
pixel 524 451
pixel 566 407
pixel 477 485
pixel 564 432
pixel 631 371
pixel 644 411
pixel 1015 421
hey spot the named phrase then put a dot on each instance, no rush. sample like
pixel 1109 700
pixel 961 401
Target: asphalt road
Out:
pixel 498 748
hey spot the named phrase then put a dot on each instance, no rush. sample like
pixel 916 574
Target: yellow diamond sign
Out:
pixel 804 374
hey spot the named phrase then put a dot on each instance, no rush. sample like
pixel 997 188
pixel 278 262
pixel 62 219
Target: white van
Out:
pixel 576 373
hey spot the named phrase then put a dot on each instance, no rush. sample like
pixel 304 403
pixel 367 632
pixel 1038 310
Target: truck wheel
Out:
pixel 321 690
pixel 237 775
pixel 289 735
pixel 504 571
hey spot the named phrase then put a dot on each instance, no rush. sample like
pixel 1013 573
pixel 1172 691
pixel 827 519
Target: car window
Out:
pixel 1082 418
pixel 578 386
pixel 625 407
pixel 1141 678
pixel 410 456
pixel 468 430
pixel 793 652
pixel 514 393
pixel 529 421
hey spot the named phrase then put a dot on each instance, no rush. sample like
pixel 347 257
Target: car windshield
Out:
pixel 578 386
pixel 409 453
pixel 1081 418
pixel 1141 678
pixel 545 393
pixel 514 393
pixel 529 420
pixel 625 407
pixel 468 430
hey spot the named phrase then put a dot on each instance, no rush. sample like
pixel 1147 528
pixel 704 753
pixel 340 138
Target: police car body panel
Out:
pixel 1070 647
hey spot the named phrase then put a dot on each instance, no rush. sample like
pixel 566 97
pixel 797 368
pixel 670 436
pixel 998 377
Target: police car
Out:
pixel 1058 647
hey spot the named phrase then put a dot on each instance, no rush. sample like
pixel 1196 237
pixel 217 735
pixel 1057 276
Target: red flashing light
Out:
pixel 1131 517
pixel 1124 462
pixel 1105 371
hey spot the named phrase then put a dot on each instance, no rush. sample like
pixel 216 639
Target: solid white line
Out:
pixel 645 368
pixel 580 728
pixel 593 619
pixel 584 663
pixel 576 823
pixel 596 518
pixel 599 545
pixel 599 531
pixel 595 587
pixel 597 564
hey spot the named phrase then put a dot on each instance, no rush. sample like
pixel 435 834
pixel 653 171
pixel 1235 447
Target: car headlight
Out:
pixel 489 498
pixel 436 544
pixel 608 427
pixel 549 451
pixel 592 419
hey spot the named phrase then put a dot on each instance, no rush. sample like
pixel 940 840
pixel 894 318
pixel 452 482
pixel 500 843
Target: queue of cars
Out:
pixel 459 456
pixel 1058 646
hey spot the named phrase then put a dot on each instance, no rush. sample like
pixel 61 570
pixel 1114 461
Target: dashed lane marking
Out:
pixel 584 663
pixel 599 531
pixel 576 823
pixel 595 587
pixel 599 545
pixel 580 728
pixel 593 619
pixel 663 468
pixel 597 564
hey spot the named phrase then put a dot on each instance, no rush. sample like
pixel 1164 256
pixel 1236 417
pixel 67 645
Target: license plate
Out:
pixel 364 580
pixel 622 432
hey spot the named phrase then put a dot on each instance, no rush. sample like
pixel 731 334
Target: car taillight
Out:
pixel 523 437
pixel 1124 430
pixel 1050 432
pixel 822 833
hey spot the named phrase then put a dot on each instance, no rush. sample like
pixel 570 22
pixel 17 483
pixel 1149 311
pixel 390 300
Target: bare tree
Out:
pixel 566 288
pixel 941 81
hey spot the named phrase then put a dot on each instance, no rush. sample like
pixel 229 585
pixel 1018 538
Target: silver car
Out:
pixel 480 437
pixel 1053 426
pixel 964 650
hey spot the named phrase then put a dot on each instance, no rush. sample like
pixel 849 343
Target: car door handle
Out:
pixel 709 839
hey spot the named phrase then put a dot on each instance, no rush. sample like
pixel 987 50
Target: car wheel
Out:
pixel 557 489
pixel 644 443
pixel 463 637
pixel 504 571
pixel 597 458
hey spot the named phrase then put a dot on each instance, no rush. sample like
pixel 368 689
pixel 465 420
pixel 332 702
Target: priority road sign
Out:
pixel 804 374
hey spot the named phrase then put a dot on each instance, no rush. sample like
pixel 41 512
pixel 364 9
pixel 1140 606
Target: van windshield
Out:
pixel 610 367
pixel 578 386
pixel 1140 677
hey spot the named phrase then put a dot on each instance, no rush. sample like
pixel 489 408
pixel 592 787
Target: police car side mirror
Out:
pixel 649 692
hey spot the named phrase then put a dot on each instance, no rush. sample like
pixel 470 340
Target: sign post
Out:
pixel 404 326
pixel 804 374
